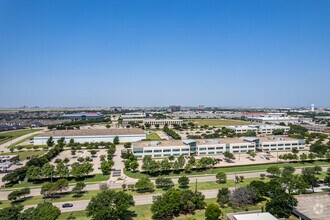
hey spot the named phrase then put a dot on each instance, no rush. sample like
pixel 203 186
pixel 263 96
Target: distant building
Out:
pixel 261 129
pixel 160 122
pixel 274 120
pixel 82 115
pixel 92 135
pixel 175 108
pixel 133 115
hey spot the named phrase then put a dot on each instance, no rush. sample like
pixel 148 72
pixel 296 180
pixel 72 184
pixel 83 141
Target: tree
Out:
pixel 105 167
pixel 47 170
pixel 50 142
pixel 183 182
pixel 127 145
pixel 241 197
pixel 93 152
pixel 228 155
pixel 278 131
pixel 252 154
pixel 212 212
pixel 318 169
pixel 293 183
pixel 61 170
pixel 308 174
pixel 176 201
pixel 103 186
pixel 108 126
pixel 78 187
pixel 281 205
pixel 274 170
pixel 42 211
pixel 11 212
pixel 110 204
pixel 221 177
pixel 181 161
pixel 223 197
pixel 116 140
pixel 303 157
pixel 165 165
pixel 144 185
pixel 62 184
pixel 48 189
pixel 295 150
pixel 33 173
pixel 287 170
pixel 14 195
pixel 164 183
pixel 134 165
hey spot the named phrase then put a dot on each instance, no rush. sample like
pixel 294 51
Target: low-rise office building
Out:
pixel 133 115
pixel 274 120
pixel 92 135
pixel 207 147
pixel 276 143
pixel 261 129
pixel 152 122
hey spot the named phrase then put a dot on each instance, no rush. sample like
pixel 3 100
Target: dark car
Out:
pixel 67 205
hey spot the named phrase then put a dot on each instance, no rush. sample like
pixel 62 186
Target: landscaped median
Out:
pixel 229 170
pixel 69 196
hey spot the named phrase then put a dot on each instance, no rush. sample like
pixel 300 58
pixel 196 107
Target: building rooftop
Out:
pixel 276 138
pixel 255 216
pixel 91 132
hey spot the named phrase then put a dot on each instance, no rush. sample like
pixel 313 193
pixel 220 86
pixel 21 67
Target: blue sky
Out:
pixel 157 53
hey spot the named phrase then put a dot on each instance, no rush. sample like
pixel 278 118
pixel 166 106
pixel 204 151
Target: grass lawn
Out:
pixel 143 212
pixel 153 136
pixel 93 179
pixel 233 169
pixel 24 154
pixel 218 122
pixel 10 135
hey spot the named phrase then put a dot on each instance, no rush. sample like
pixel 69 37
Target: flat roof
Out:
pixel 91 132
pixel 277 138
pixel 141 144
pixel 255 216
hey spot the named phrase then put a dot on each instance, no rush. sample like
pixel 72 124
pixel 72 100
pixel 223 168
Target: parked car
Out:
pixel 67 205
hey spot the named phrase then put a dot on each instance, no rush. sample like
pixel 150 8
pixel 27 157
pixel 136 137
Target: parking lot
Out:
pixel 314 206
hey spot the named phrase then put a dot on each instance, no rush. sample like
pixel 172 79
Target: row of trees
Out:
pixel 175 201
pixel 20 173
pixel 42 211
pixel 171 133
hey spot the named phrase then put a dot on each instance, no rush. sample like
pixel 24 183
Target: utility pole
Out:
pixel 196 186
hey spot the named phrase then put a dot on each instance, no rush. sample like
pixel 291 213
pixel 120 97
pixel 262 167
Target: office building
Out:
pixel 92 135
pixel 152 122
pixel 261 129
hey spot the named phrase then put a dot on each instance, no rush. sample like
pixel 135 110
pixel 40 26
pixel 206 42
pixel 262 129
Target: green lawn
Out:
pixel 232 169
pixel 10 135
pixel 93 179
pixel 218 122
pixel 153 136
pixel 143 212
pixel 24 154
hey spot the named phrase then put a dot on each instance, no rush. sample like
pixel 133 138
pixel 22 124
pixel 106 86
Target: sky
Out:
pixel 66 53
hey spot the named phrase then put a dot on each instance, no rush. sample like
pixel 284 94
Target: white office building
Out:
pixel 211 147
pixel 152 122
pixel 133 115
pixel 261 129
pixel 276 143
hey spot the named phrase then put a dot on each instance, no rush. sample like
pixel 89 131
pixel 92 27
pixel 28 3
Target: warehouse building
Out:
pixel 92 135
pixel 83 115
pixel 152 122
pixel 201 147
pixel 261 129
